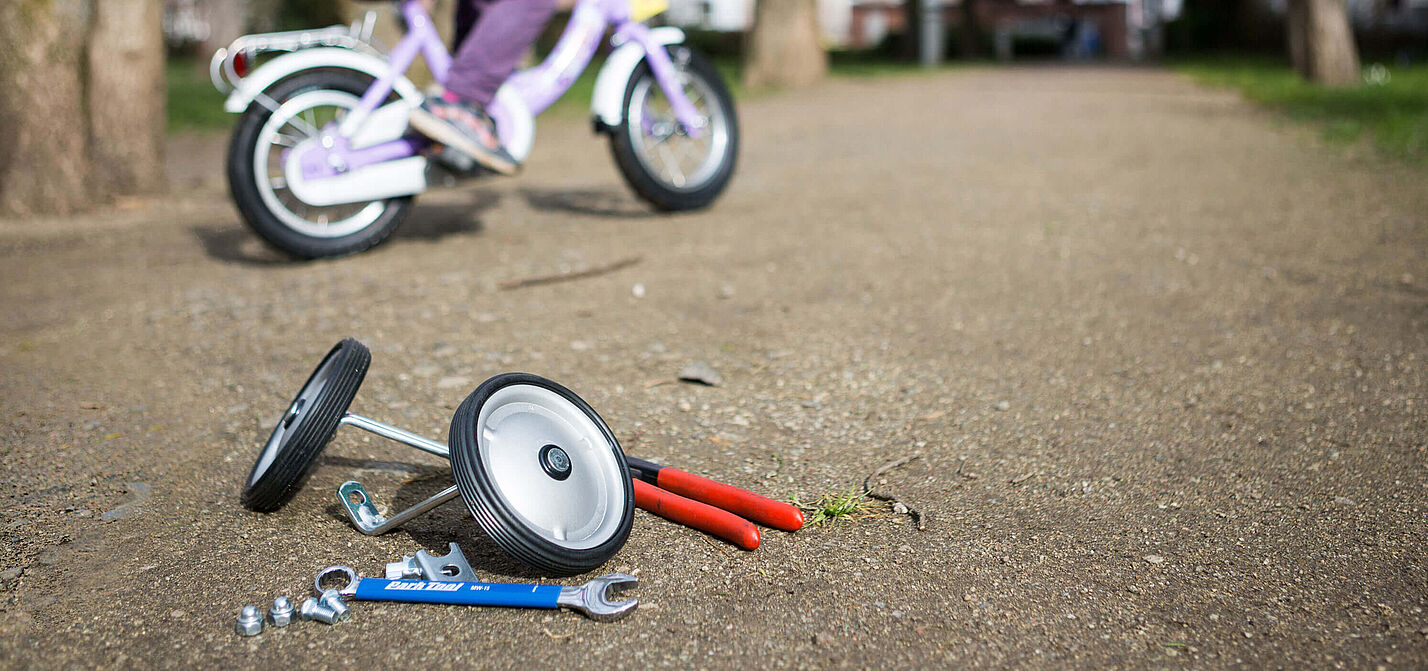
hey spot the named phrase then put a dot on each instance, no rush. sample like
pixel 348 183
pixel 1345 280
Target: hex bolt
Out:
pixel 312 610
pixel 332 599
pixel 250 621
pixel 281 614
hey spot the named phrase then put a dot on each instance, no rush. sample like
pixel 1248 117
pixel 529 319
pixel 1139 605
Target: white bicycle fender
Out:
pixel 615 75
pixel 322 57
pixel 384 124
pixel 391 179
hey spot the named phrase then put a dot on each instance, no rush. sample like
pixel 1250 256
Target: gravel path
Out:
pixel 1161 356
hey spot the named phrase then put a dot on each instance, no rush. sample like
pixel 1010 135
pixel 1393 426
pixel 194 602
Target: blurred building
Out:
pixel 1076 29
pixel 1129 30
pixel 1391 27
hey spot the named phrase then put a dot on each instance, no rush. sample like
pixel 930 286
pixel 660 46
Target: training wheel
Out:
pixel 306 426
pixel 542 473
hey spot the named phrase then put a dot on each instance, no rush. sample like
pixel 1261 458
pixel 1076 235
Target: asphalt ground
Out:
pixel 1151 361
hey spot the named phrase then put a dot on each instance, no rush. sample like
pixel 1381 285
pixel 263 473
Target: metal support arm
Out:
pixel 365 517
pixel 393 433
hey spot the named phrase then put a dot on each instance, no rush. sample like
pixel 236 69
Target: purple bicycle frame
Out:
pixel 538 87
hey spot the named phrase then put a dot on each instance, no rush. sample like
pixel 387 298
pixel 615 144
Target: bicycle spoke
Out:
pixel 302 126
pixel 695 155
pixel 677 151
pixel 687 148
pixel 284 140
pixel 672 164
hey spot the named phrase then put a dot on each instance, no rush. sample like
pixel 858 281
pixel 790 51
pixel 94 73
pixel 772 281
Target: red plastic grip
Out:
pixel 694 514
pixel 741 502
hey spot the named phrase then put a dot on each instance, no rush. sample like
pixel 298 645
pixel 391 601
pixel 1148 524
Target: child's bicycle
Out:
pixel 322 163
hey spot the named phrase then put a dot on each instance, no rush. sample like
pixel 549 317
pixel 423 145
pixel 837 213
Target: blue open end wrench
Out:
pixel 590 598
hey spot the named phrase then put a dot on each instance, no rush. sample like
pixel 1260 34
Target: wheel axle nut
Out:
pixel 332 599
pixel 281 614
pixel 250 621
pixel 312 610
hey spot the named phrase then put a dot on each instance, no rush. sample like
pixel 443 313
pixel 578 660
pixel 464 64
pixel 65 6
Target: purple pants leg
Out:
pixel 491 48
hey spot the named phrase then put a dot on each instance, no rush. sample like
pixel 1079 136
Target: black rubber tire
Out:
pixel 648 186
pixel 306 427
pixel 495 515
pixel 242 183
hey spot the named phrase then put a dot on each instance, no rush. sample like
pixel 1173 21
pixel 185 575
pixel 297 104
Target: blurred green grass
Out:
pixel 193 103
pixel 1392 115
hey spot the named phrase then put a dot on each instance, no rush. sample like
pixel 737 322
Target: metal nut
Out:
pixel 281 614
pixel 332 599
pixel 406 569
pixel 312 610
pixel 250 621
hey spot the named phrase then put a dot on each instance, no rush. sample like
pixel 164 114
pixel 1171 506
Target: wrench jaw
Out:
pixel 592 600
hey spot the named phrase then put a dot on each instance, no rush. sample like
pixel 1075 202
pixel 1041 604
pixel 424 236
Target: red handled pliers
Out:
pixel 723 510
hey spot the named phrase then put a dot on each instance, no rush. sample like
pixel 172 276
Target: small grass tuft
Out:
pixel 834 507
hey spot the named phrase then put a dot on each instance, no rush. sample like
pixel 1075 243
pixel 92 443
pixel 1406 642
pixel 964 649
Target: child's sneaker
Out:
pixel 465 128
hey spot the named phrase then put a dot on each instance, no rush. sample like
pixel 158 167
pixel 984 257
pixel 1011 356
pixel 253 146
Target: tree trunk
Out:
pixel 126 95
pixel 1321 43
pixel 1333 59
pixel 784 47
pixel 1297 17
pixel 44 162
pixel 83 104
